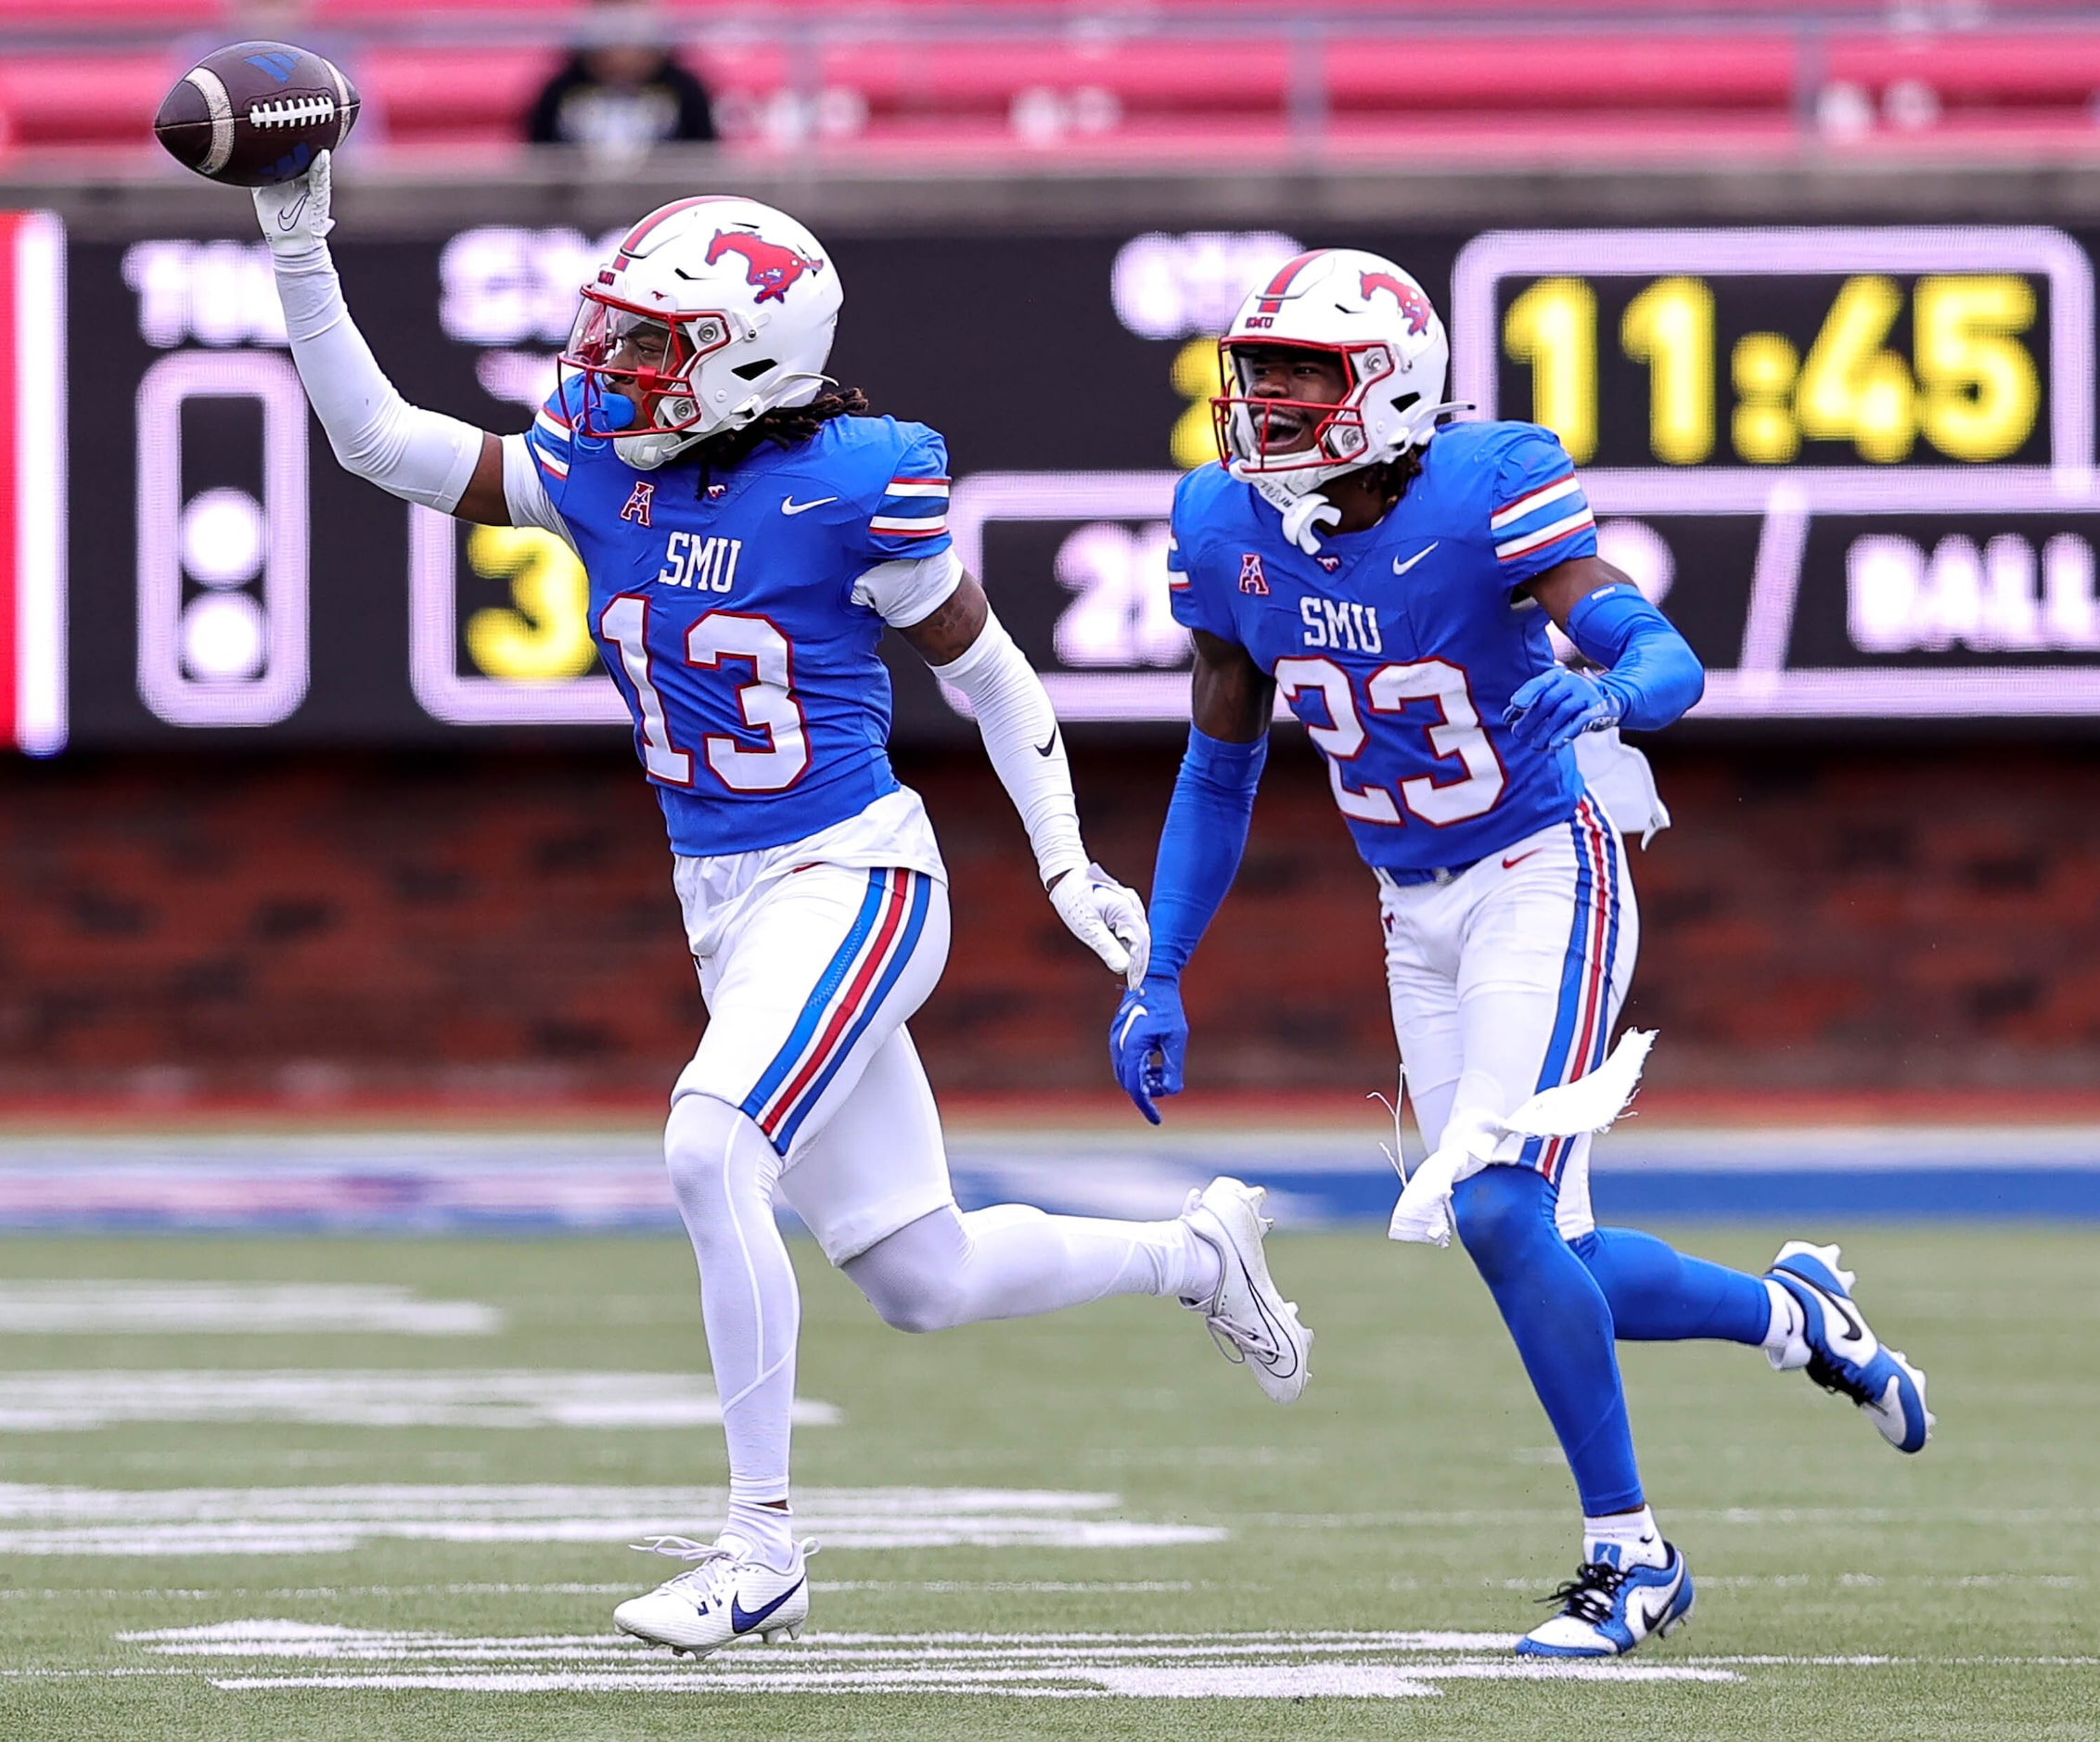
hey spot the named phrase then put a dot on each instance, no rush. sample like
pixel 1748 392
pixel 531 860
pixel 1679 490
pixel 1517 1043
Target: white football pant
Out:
pixel 1507 979
pixel 806 1080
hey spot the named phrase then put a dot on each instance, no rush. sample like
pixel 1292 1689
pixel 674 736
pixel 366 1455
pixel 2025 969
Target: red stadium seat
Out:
pixel 1973 66
pixel 448 93
pixel 983 85
pixel 46 107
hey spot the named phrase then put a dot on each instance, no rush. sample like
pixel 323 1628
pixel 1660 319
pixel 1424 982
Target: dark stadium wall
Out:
pixel 498 928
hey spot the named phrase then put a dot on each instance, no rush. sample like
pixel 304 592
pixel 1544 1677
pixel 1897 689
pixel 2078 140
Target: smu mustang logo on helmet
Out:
pixel 770 265
pixel 1413 303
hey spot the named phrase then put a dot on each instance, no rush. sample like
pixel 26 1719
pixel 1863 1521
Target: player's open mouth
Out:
pixel 1281 428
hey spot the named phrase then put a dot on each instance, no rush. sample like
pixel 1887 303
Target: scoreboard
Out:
pixel 1858 463
pixel 1854 464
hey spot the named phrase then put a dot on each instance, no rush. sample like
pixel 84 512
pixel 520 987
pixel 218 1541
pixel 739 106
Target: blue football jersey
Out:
pixel 1400 646
pixel 723 604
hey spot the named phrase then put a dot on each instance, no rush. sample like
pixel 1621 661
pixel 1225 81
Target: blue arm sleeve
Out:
pixel 1200 846
pixel 1652 672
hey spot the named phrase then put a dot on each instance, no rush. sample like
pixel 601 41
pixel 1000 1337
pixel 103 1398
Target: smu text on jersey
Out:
pixel 732 621
pixel 1400 646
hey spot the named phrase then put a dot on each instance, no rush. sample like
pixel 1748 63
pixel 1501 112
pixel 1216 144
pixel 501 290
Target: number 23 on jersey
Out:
pixel 1455 736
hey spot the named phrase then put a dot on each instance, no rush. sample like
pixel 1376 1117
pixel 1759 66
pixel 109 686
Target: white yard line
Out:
pixel 137 1308
pixel 69 1400
pixel 52 1521
pixel 1269 1665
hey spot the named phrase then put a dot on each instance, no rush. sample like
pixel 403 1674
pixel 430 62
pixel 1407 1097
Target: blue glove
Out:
pixel 1147 1042
pixel 1557 706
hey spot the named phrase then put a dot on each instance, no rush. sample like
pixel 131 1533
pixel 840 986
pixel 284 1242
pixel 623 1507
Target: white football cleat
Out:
pixel 1249 1320
pixel 719 1601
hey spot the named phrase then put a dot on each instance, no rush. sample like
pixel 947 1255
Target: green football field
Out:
pixel 1077 1527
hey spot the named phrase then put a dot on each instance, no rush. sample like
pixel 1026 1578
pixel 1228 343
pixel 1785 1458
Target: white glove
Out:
pixel 1107 918
pixel 294 214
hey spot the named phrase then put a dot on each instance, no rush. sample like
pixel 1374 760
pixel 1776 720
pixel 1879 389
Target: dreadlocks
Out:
pixel 784 426
pixel 1391 477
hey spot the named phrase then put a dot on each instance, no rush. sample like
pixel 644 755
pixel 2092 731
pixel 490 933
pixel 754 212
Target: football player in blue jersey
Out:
pixel 749 534
pixel 1392 575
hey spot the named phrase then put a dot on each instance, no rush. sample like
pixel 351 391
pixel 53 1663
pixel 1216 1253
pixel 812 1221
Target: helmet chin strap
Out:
pixel 1296 495
pixel 1308 511
pixel 659 447
pixel 645 452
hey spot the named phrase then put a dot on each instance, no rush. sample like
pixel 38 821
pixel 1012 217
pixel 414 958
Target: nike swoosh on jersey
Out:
pixel 1510 864
pixel 790 506
pixel 1401 568
pixel 741 1619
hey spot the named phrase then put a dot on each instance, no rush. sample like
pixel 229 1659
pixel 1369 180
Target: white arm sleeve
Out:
pixel 908 592
pixel 525 491
pixel 420 455
pixel 1021 736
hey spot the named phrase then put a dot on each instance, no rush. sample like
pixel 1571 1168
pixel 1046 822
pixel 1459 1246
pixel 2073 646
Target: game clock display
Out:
pixel 1858 462
pixel 1854 464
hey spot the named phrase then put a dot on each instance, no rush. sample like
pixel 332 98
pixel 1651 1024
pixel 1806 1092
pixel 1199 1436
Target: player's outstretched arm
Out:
pixel 968 647
pixel 419 456
pixel 1231 702
pixel 1651 677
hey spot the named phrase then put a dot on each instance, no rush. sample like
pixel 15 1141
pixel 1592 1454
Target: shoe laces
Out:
pixel 1590 1594
pixel 1833 1377
pixel 1238 1343
pixel 715 1566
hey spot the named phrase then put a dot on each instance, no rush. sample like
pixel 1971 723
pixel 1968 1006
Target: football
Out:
pixel 256 113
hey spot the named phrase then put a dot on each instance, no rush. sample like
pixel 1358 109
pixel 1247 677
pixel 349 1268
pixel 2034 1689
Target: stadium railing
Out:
pixel 934 80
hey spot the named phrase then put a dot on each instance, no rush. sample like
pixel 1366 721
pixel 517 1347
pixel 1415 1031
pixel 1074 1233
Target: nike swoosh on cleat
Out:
pixel 790 506
pixel 741 1619
pixel 1044 749
pixel 1401 568
pixel 1657 1606
pixel 1855 1338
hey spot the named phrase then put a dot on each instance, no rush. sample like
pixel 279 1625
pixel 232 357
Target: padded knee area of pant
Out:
pixel 709 1155
pixel 917 1280
pixel 1501 1212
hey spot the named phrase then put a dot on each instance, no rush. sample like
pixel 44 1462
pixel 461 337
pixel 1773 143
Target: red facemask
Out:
pixel 621 392
pixel 1247 434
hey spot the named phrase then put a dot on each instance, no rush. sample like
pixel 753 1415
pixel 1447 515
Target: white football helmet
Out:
pixel 1372 315
pixel 713 312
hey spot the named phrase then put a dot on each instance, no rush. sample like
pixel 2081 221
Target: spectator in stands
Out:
pixel 622 90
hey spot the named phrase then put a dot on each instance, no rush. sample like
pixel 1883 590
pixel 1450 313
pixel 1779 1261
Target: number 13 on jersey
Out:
pixel 766 703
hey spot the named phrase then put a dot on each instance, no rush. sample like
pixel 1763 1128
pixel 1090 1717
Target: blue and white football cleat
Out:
pixel 1607 1610
pixel 1840 1353
pixel 719 1601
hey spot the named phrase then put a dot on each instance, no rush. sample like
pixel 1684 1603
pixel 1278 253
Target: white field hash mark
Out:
pixel 1036 1666
pixel 52 1520
pixel 245 1309
pixel 382 1397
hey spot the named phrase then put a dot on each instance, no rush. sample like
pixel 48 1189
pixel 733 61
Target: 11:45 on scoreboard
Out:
pixel 1877 443
pixel 1814 347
